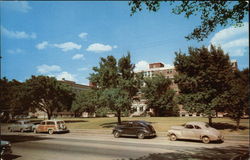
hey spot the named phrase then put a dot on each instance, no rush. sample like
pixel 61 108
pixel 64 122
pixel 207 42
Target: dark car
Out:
pixel 5 148
pixel 140 129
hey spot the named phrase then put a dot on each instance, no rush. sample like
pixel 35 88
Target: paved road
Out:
pixel 28 146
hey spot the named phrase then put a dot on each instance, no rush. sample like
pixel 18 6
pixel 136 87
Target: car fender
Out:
pixel 177 133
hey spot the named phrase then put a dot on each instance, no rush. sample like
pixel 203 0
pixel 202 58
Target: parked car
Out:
pixel 5 148
pixel 35 124
pixel 21 126
pixel 140 129
pixel 195 131
pixel 51 126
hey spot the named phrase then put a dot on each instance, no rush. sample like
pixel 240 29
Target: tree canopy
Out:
pixel 116 83
pixel 236 99
pixel 47 94
pixel 159 95
pixel 212 13
pixel 203 77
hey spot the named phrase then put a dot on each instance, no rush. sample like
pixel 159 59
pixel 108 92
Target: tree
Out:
pixel 47 94
pixel 85 101
pixel 11 102
pixel 212 13
pixel 159 95
pixel 237 98
pixel 116 83
pixel 203 78
pixel 117 100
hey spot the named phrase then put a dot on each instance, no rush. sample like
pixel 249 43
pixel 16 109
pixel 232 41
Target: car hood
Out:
pixel 3 143
pixel 177 127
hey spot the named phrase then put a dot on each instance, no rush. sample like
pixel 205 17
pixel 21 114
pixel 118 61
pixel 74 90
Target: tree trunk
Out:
pixel 210 120
pixel 119 117
pixel 237 124
pixel 49 113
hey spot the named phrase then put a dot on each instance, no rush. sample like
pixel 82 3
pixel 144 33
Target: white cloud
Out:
pixel 20 6
pixel 66 76
pixel 115 46
pixel 42 45
pixel 78 56
pixel 67 46
pixel 233 40
pixel 83 35
pixel 43 69
pixel 13 51
pixel 141 65
pixel 17 34
pixel 98 48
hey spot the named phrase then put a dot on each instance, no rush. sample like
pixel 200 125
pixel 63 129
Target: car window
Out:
pixel 42 123
pixel 197 127
pixel 189 126
pixel 129 124
pixel 137 125
pixel 50 123
pixel 60 122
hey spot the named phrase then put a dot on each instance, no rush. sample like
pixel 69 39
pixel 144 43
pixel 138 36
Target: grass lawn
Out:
pixel 161 124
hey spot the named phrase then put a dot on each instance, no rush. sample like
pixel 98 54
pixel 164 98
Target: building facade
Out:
pixel 140 107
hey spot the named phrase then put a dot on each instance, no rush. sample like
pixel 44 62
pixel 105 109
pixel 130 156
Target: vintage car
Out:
pixel 140 129
pixel 51 126
pixel 5 148
pixel 195 131
pixel 21 126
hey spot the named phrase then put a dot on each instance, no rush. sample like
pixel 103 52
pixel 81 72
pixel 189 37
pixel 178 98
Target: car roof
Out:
pixel 196 123
pixel 137 121
pixel 23 121
pixel 53 120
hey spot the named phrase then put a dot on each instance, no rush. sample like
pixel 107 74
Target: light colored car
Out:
pixel 195 131
pixel 21 126
pixel 51 126
pixel 5 148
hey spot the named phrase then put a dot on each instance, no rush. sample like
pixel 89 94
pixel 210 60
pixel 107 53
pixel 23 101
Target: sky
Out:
pixel 66 39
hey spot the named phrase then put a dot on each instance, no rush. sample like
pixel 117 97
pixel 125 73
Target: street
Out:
pixel 29 146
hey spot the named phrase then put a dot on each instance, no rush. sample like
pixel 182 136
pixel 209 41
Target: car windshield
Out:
pixel 60 122
pixel 26 122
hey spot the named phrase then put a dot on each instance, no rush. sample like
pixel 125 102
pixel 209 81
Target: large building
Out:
pixel 168 71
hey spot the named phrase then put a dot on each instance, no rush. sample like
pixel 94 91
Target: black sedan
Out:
pixel 140 129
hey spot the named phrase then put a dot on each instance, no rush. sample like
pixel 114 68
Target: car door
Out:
pixel 15 126
pixel 127 130
pixel 197 131
pixel 41 127
pixel 188 132
pixel 137 127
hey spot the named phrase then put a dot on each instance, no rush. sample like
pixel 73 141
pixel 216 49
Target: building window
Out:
pixel 141 109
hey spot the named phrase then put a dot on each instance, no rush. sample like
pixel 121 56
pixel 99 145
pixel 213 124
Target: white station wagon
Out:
pixel 195 131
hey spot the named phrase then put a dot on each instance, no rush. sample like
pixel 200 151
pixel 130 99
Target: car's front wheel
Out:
pixel 50 131
pixel 141 135
pixel 116 134
pixel 172 137
pixel 205 139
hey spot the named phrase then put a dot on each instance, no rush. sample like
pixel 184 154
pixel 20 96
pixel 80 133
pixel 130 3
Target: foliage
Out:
pixel 116 83
pixel 159 95
pixel 237 98
pixel 212 13
pixel 10 101
pixel 85 101
pixel 47 94
pixel 203 78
